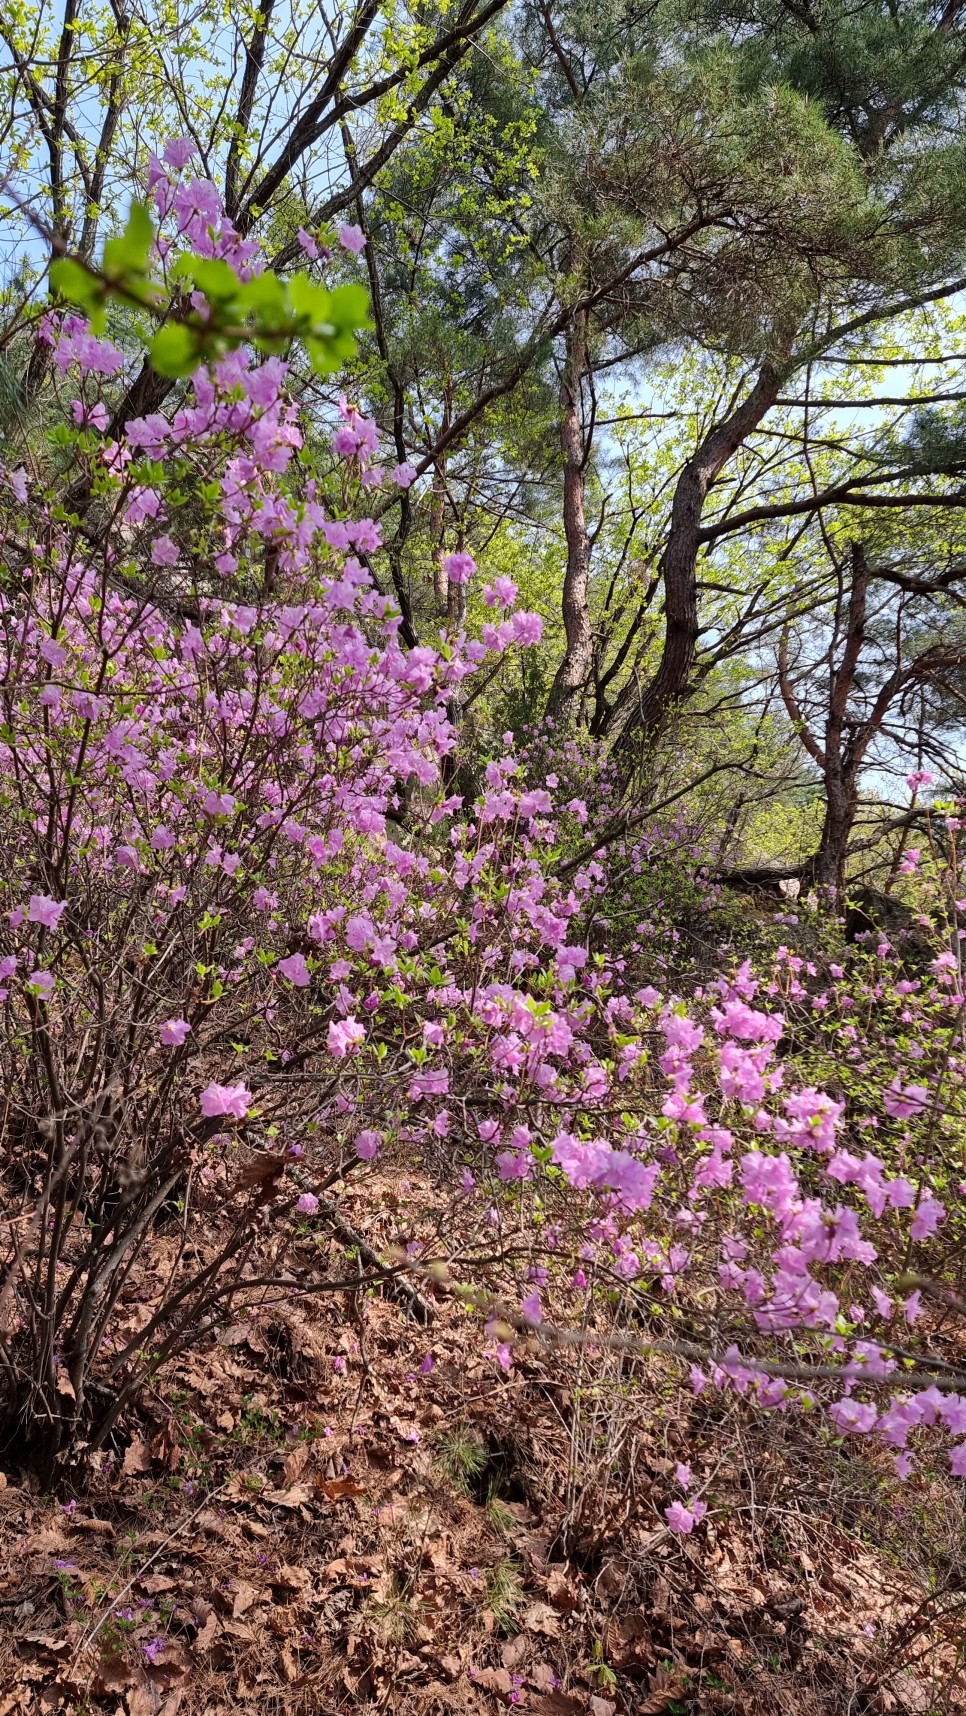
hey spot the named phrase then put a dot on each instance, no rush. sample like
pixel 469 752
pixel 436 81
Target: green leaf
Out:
pixel 349 308
pixel 175 350
pixel 74 283
pixel 264 296
pixel 129 253
pixel 216 279
pixel 183 267
pixel 310 299
pixel 322 355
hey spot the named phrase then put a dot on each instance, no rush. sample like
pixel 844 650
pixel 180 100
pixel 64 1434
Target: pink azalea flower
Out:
pixel 944 962
pixel 173 1032
pixel 163 551
pixel 178 151
pixel 43 910
pixel 679 1518
pixel 231 1100
pixel 904 1103
pixel 218 804
pixel 502 593
pixel 89 416
pixel 344 1035
pixel 459 568
pixel 345 444
pixel 295 970
pixel 926 1217
pixel 853 1416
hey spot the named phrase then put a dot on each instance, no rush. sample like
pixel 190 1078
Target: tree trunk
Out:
pixel 841 758
pixel 827 869
pixel 574 670
pixel 437 514
pixel 642 711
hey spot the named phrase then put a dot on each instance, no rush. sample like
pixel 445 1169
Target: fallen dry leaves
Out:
pixel 285 1529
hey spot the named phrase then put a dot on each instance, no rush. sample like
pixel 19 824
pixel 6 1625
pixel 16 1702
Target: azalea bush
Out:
pixel 250 940
pixel 194 785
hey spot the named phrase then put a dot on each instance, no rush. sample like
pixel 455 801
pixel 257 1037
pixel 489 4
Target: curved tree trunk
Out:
pixel 641 711
pixel 574 670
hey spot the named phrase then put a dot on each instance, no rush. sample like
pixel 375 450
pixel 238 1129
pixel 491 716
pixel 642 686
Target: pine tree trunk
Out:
pixel 841 803
pixel 643 710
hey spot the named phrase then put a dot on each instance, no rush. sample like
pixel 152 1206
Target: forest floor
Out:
pixel 333 1508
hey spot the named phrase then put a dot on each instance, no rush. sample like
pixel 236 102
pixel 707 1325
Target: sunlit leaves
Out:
pixel 263 311
pixel 124 272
